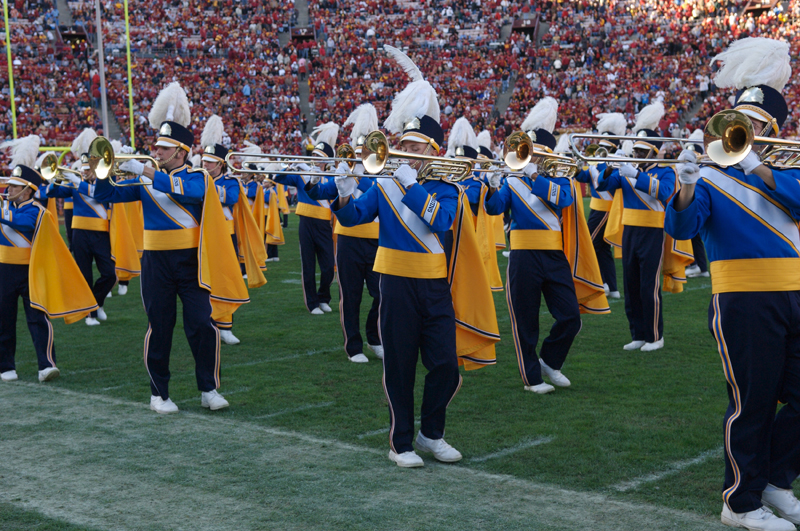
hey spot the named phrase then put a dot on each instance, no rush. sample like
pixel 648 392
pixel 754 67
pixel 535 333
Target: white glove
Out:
pixel 531 169
pixel 688 173
pixel 71 177
pixel 132 166
pixel 345 185
pixel 303 167
pixel 406 175
pixel 127 150
pixel 594 173
pixel 343 168
pixel 628 171
pixel 687 155
pixel 620 153
pixel 495 179
pixel 313 179
pixel 750 163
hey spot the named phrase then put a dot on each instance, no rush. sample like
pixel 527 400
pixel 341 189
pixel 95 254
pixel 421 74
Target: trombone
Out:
pixel 600 154
pixel 518 152
pixel 105 163
pixel 375 155
pixel 344 153
pixel 54 174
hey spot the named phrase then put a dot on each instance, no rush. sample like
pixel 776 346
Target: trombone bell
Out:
pixel 517 151
pixel 105 162
pixel 52 172
pixel 728 137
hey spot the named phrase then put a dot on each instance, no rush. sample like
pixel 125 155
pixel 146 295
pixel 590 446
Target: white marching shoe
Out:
pixel 555 376
pixel 541 389
pixel 761 519
pixel 159 405
pixel 325 307
pixel 228 338
pixel 406 459
pixel 317 311
pixel 613 294
pixel 359 358
pixel 50 373
pixel 439 448
pixel 605 288
pixel 101 314
pixel 109 295
pixel 91 321
pixel 213 400
pixel 244 277
pixel 506 253
pixel 8 376
pixel 783 502
pixel 378 350
pixel 122 290
pixel 634 345
pixel 649 347
pixel 692 271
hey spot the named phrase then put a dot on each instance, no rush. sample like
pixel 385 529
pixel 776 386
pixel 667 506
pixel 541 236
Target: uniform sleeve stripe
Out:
pixel 431 208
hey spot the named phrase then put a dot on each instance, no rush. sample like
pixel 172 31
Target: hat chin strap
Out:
pixel 174 154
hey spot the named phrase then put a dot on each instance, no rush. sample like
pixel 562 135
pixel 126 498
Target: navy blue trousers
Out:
pixel 530 275
pixel 272 251
pixel 95 245
pixel 758 335
pixel 642 252
pixel 316 245
pixel 417 318
pixel 167 275
pixel 68 225
pixel 354 260
pixel 605 254
pixel 699 251
pixel 13 285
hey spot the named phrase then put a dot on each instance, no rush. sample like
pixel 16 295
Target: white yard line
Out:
pixel 672 468
pixel 106 463
pixel 524 445
pixel 295 410
pixel 380 431
pixel 283 358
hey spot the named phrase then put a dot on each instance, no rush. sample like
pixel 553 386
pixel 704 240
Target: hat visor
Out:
pixel 170 143
pixel 414 136
pixel 758 114
pixel 210 158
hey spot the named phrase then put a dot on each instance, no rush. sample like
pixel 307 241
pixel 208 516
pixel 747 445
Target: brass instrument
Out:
pixel 344 153
pixel 729 137
pixel 105 162
pixel 518 152
pixel 53 173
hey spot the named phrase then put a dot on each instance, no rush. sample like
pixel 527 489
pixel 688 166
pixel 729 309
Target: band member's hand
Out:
pixel 71 177
pixel 687 155
pixel 495 180
pixel 132 166
pixel 628 171
pixel 406 175
pixel 531 169
pixel 343 168
pixel 313 179
pixel 345 185
pixel 750 163
pixel 594 173
pixel 127 150
pixel 303 167
pixel 688 173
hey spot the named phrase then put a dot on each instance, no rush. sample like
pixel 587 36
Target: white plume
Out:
pixel 116 145
pixel 627 147
pixel 364 121
pixel 484 139
pixel 543 116
pixel 213 132
pixel 461 134
pixel 271 166
pixel 327 132
pixel 754 61
pixel 612 122
pixel 196 160
pixel 404 62
pixel 649 117
pixel 563 144
pixel 418 99
pixel 23 150
pixel 81 143
pixel 172 105
pixel 697 134
pixel 249 147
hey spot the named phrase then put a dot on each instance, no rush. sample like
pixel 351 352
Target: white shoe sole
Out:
pixel 51 376
pixel 393 457
pixel 780 513
pixel 215 408
pixel 153 408
pixel 443 460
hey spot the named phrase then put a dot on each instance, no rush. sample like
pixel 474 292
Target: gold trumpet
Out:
pixel 375 155
pixel 53 173
pixel 105 163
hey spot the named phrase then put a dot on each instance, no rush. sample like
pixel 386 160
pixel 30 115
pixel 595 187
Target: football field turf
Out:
pixel 635 443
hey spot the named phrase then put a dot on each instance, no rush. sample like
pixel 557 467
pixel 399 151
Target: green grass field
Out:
pixel 635 443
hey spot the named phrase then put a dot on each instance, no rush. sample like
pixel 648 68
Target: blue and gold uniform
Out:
pixel 68 206
pixel 600 205
pixel 172 206
pixel 538 266
pixel 644 198
pixel 91 241
pixel 356 248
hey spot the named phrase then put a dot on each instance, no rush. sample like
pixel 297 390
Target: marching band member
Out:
pixel 273 226
pixel 700 266
pixel 485 153
pixel 180 205
pixel 645 190
pixel 35 265
pixel 747 216
pixel 355 248
pixel 125 232
pixel 418 311
pixel 537 263
pixel 91 241
pixel 239 218
pixel 316 233
pixel 612 124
